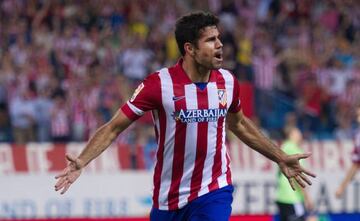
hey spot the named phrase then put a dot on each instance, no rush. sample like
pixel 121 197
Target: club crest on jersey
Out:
pixel 222 97
pixel 137 91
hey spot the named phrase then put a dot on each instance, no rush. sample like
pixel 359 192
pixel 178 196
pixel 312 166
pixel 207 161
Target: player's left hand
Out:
pixel 292 169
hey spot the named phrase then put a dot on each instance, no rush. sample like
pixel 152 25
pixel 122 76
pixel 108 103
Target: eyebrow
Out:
pixel 211 38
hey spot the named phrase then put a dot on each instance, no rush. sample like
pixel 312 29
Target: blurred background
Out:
pixel 67 66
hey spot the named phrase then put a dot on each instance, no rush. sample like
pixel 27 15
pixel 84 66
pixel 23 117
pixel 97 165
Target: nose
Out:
pixel 219 44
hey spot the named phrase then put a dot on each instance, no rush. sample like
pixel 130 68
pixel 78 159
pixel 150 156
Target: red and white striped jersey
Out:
pixel 264 72
pixel 60 124
pixel 192 158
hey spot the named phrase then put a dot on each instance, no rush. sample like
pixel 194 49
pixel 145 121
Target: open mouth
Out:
pixel 218 55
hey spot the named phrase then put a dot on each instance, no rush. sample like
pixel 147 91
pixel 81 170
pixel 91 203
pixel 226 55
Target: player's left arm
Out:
pixel 246 131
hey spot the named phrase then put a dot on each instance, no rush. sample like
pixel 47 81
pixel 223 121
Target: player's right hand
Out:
pixel 69 174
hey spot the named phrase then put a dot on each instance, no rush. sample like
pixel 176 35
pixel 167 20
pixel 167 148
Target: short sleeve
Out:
pixel 146 97
pixel 236 103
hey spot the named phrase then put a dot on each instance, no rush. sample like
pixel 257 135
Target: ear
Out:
pixel 189 48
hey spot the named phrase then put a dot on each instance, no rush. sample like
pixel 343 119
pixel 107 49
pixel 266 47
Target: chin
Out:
pixel 217 66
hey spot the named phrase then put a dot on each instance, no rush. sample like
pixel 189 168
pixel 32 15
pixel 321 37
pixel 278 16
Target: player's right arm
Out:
pixel 146 97
pixel 101 140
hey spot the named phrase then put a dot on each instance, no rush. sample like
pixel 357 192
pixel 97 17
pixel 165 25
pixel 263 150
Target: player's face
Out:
pixel 208 52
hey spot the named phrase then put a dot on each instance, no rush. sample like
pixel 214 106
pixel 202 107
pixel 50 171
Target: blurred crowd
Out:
pixel 66 66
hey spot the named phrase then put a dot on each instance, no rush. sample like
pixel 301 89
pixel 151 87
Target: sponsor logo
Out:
pixel 222 97
pixel 178 98
pixel 197 116
pixel 137 91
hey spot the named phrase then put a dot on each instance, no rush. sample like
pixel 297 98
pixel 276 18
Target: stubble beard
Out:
pixel 208 65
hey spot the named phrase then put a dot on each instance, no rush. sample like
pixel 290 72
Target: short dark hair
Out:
pixel 188 27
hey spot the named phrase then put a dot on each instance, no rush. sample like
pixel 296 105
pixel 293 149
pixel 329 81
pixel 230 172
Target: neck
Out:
pixel 195 71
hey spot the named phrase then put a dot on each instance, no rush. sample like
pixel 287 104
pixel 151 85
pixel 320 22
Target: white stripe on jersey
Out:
pixel 190 151
pixel 222 181
pixel 213 102
pixel 167 94
pixel 229 86
pixel 135 109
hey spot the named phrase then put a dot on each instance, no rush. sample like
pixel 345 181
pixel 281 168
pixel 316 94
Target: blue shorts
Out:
pixel 213 206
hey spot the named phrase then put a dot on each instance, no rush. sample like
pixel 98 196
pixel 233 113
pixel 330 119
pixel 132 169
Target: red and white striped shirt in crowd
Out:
pixel 264 71
pixel 192 158
pixel 60 123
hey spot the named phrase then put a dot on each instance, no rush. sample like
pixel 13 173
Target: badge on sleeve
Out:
pixel 222 96
pixel 137 91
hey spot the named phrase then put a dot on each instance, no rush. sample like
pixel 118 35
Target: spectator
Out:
pixel 310 106
pixel 5 126
pixel 43 104
pixel 57 44
pixel 292 205
pixel 355 158
pixel 60 119
pixel 134 61
pixel 23 117
pixel 264 65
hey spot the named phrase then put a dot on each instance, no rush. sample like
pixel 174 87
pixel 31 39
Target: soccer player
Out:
pixel 292 205
pixel 355 159
pixel 191 103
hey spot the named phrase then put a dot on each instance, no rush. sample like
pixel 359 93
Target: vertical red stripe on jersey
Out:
pixel 216 170
pixel 159 157
pixel 201 146
pixel 179 150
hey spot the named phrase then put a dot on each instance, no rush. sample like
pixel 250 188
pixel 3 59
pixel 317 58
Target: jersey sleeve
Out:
pixel 236 103
pixel 147 96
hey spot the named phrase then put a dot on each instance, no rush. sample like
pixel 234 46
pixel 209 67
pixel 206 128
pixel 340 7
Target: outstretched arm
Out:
pixel 246 131
pixel 102 139
pixel 349 176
